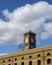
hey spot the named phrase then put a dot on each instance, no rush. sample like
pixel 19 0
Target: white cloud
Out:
pixel 35 14
pixel 48 27
pixel 44 35
pixel 3 54
pixel 48 31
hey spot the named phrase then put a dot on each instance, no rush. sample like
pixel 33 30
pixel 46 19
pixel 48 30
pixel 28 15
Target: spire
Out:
pixel 29 27
pixel 29 30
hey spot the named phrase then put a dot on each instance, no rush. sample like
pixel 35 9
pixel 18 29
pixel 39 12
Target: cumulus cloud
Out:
pixel 12 30
pixel 44 35
pixel 3 54
pixel 48 27
pixel 48 31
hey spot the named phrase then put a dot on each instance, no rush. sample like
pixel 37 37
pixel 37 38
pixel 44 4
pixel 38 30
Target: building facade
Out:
pixel 31 55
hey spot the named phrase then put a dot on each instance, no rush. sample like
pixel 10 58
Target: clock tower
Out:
pixel 29 40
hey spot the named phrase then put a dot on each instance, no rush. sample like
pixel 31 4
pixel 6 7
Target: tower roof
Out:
pixel 29 32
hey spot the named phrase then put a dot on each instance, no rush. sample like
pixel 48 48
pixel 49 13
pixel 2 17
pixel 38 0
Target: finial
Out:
pixel 29 27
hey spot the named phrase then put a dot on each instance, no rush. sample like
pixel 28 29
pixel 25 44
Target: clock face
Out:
pixel 26 40
pixel 32 40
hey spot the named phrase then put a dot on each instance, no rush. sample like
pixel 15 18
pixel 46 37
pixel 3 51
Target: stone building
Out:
pixel 31 55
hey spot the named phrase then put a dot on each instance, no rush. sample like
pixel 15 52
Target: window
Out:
pixel 30 56
pixel 9 60
pixel 22 63
pixel 15 59
pixel 3 60
pixel 15 63
pixel 48 54
pixel 9 64
pixel 48 61
pixel 38 55
pixel 22 57
pixel 39 62
pixel 30 62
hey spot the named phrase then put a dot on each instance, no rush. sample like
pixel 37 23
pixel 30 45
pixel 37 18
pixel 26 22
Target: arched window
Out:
pixel 22 63
pixel 9 64
pixel 15 63
pixel 38 55
pixel 30 62
pixel 48 61
pixel 39 62
pixel 48 54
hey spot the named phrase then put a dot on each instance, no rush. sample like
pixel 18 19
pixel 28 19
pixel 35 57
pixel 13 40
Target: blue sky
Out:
pixel 15 17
